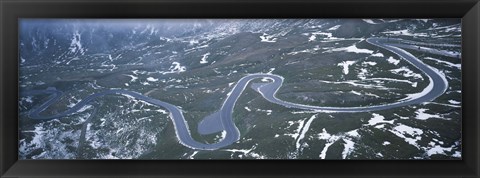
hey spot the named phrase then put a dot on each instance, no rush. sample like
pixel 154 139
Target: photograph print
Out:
pixel 309 89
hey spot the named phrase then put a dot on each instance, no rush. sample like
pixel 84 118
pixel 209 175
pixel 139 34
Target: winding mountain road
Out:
pixel 437 86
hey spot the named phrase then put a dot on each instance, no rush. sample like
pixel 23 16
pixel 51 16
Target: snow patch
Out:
pixel 334 28
pixel 377 118
pixel 270 70
pixel 392 60
pixel 193 154
pixel 369 63
pixel 377 55
pixel 369 21
pixel 75 44
pixel 356 93
pixel 352 49
pixel 421 115
pixel 134 78
pixel 268 38
pixel 348 147
pixel 406 32
pixel 204 58
pixel 437 149
pixel 176 68
pixel 330 140
pixel 413 134
pixel 406 72
pixel 459 66
pixel 454 102
pixel 269 112
pixel 345 65
pixel 151 79
pixel 304 131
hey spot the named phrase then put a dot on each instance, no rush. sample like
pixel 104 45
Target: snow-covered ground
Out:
pixel 377 118
pixel 405 32
pixel 204 58
pixel 345 65
pixel 422 115
pixel 268 38
pixel 304 130
pixel 351 49
pixel 411 135
pixel 406 72
pixel 347 137
pixel 393 60
pixel 449 64
pixel 176 67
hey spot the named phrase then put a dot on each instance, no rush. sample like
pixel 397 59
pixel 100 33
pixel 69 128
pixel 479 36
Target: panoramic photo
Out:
pixel 165 89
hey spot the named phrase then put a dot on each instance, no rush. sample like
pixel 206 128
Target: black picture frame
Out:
pixel 11 10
